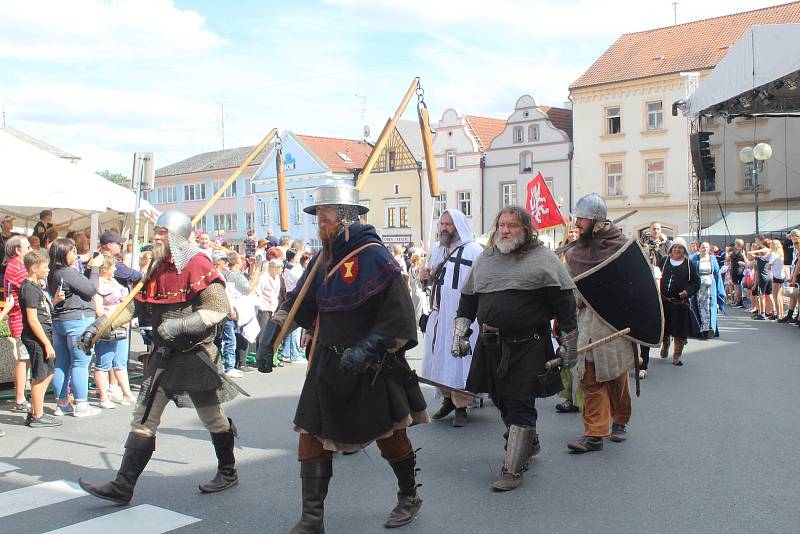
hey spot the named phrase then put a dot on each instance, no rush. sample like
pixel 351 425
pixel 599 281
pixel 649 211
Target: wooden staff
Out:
pixel 283 206
pixel 138 287
pixel 427 144
pixel 384 137
pixel 287 323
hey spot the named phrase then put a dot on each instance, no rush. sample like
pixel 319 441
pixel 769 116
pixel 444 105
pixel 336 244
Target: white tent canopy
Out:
pixel 742 223
pixel 765 53
pixel 34 180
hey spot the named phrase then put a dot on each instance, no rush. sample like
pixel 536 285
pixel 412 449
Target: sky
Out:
pixel 104 79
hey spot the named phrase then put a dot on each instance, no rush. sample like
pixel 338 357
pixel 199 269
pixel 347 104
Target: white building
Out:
pixel 460 144
pixel 535 139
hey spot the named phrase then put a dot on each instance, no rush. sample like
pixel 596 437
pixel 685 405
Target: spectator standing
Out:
pixel 111 354
pixel 34 243
pixel 762 280
pixel 71 317
pixel 5 235
pixel 268 290
pixel 16 273
pixel 250 245
pixel 776 267
pixel 291 351
pixel 45 223
pixel 285 244
pixel 245 307
pixel 111 245
pixel 37 335
pixel 737 268
pixel 204 244
pixel 794 277
pixel 261 251
pixel 397 254
pixel 710 297
pixel 272 241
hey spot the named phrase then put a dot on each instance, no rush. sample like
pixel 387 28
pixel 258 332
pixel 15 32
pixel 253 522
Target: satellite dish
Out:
pixel 366 132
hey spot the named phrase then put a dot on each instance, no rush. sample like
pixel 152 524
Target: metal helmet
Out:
pixel 340 195
pixel 179 229
pixel 592 207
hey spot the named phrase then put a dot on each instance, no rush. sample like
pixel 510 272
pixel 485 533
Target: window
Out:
pixel 613 121
pixel 365 217
pixel 519 134
pixel 229 192
pixel 390 217
pixel 194 192
pixel 225 222
pixel 396 189
pixel 508 194
pixel 749 178
pixel 440 205
pixel 266 211
pixel 344 156
pixel 392 160
pixel 248 186
pixel 655 176
pixel 614 179
pixel 249 221
pixel 533 133
pixel 526 162
pixel 166 194
pixel 465 202
pixel 655 116
pixel 451 160
pixel 297 206
pixel 202 224
pixel 403 216
pixel 549 183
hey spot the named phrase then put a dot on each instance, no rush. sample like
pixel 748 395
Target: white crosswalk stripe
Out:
pixel 45 494
pixel 142 519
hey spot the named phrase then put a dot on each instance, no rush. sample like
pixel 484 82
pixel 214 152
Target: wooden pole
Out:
pixel 427 144
pixel 297 302
pixel 255 152
pixel 384 137
pixel 283 206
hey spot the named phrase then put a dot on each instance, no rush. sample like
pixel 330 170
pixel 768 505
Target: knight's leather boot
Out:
pixel 680 343
pixel 315 478
pixel 408 502
pixel 138 450
pixel 665 347
pixel 445 410
pixel 586 444
pixel 460 418
pixel 522 445
pixel 226 476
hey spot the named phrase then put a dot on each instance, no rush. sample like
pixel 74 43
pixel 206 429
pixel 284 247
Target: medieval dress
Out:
pixel 710 297
pixel 674 280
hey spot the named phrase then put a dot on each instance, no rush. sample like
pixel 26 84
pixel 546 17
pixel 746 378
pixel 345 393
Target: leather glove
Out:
pixel 357 358
pixel 171 329
pixel 266 340
pixel 85 341
pixel 461 332
pixel 568 351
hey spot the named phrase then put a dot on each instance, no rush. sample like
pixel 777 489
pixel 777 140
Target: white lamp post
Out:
pixel 755 158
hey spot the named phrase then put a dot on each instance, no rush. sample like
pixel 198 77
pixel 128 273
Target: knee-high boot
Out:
pixel 665 347
pixel 138 450
pixel 315 478
pixel 680 343
pixel 226 476
pixel 408 502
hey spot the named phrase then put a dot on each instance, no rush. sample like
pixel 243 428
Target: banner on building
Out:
pixel 541 205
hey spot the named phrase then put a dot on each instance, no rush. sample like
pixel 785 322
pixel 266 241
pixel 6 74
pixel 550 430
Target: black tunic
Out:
pixel 523 317
pixel 674 280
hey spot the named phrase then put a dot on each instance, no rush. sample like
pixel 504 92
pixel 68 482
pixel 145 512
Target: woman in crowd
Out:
pixel 239 288
pixel 71 317
pixel 679 282
pixel 762 279
pixel 794 277
pixel 710 298
pixel 111 355
pixel 778 276
pixel 418 295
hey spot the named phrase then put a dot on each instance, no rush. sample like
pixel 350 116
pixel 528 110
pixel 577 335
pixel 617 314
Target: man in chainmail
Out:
pixel 359 387
pixel 515 288
pixel 185 297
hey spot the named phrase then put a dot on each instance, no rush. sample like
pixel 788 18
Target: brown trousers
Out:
pixel 603 401
pixel 395 448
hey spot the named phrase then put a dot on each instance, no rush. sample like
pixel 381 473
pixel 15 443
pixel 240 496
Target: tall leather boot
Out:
pixel 138 450
pixel 315 478
pixel 678 351
pixel 226 476
pixel 408 502
pixel 665 347
pixel 522 445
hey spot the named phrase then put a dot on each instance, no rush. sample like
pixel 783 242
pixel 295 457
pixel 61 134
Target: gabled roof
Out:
pixel 39 143
pixel 485 128
pixel 327 149
pixel 210 161
pixel 560 117
pixel 412 136
pixel 683 47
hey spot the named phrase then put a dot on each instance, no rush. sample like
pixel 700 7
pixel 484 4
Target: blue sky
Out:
pixel 103 79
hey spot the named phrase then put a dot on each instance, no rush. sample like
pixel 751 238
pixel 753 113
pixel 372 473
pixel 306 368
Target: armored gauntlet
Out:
pixel 85 341
pixel 461 332
pixel 357 358
pixel 569 349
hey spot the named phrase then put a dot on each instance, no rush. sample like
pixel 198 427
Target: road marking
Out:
pixel 5 468
pixel 47 493
pixel 142 519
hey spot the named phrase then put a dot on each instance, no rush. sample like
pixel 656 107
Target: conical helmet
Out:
pixel 592 207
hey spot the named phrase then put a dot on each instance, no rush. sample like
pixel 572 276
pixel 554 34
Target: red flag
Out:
pixel 541 206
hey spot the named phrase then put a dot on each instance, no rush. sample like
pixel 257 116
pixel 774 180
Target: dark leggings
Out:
pixel 241 350
pixel 645 351
pixel 517 412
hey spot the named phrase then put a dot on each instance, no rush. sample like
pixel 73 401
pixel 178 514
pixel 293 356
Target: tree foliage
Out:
pixel 117 178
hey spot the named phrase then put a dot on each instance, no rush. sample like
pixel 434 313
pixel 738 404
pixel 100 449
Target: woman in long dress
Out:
pixel 418 295
pixel 710 298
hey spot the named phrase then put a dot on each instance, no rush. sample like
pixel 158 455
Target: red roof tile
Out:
pixel 327 149
pixel 694 45
pixel 485 128
pixel 560 117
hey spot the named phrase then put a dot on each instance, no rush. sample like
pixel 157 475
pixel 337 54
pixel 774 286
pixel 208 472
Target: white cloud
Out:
pixel 85 30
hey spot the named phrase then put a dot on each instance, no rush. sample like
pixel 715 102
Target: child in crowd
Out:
pixel 250 245
pixel 37 334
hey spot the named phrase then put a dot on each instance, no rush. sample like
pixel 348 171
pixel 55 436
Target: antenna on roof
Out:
pixel 4 116
pixel 222 123
pixel 365 129
pixel 674 13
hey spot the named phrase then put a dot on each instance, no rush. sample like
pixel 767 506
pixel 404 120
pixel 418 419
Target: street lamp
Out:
pixel 754 158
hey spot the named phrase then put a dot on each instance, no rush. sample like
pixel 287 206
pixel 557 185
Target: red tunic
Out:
pixel 167 286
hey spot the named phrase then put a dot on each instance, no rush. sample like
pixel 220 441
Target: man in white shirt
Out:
pixel 291 351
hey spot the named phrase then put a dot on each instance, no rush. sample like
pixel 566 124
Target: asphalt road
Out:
pixel 711 449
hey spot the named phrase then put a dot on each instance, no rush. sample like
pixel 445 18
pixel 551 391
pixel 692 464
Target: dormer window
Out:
pixel 344 156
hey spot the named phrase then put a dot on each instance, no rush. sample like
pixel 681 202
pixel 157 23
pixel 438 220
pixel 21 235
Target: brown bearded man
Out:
pixel 359 388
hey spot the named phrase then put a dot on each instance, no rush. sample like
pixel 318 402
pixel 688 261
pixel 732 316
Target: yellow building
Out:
pixel 393 190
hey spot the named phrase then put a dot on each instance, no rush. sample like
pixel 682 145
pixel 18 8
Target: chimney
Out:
pixel 567 105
